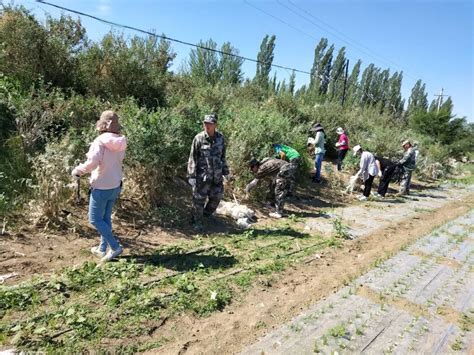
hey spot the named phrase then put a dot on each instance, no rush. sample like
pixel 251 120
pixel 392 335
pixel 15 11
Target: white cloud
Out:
pixel 103 8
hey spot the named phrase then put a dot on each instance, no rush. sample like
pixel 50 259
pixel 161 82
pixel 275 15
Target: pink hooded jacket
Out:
pixel 104 160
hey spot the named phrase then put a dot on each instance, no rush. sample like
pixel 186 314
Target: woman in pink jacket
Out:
pixel 104 162
pixel 342 147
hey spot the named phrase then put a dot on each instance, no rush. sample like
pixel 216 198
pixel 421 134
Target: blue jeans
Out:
pixel 318 161
pixel 100 216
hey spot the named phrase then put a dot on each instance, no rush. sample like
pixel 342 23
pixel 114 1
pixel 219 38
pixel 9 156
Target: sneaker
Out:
pixel 112 254
pixel 98 252
pixel 362 198
pixel 275 215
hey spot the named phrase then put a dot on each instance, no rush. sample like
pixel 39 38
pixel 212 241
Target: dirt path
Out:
pixel 421 300
pixel 267 307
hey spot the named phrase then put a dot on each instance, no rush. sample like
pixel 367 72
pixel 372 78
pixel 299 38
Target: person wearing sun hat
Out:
pixel 318 142
pixel 368 170
pixel 342 146
pixel 104 162
pixel 408 162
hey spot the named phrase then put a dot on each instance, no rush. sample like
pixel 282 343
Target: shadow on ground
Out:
pixel 183 262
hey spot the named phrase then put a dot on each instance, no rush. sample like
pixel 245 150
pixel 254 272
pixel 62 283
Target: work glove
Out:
pixel 192 182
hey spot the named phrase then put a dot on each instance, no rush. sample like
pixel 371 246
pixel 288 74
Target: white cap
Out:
pixel 356 149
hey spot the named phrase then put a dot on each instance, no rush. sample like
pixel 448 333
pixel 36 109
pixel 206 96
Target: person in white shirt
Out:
pixel 368 170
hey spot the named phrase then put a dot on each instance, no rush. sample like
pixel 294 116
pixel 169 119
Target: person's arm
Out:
pixel 225 167
pixel 251 185
pixel 406 157
pixel 318 139
pixel 379 167
pixel 94 157
pixel 193 158
pixel 363 164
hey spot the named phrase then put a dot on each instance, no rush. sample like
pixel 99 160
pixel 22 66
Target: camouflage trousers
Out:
pixel 206 198
pixel 280 187
pixel 293 170
pixel 405 183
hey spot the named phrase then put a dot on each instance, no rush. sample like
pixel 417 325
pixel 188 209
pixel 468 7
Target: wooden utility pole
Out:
pixel 345 83
pixel 440 99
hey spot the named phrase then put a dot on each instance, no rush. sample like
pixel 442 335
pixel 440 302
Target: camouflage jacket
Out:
pixel 207 158
pixel 409 160
pixel 271 168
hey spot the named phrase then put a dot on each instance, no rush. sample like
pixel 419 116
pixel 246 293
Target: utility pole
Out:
pixel 345 83
pixel 440 98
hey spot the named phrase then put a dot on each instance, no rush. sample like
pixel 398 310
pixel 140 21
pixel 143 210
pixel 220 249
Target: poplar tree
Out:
pixel 447 106
pixel 363 93
pixel 418 99
pixel 353 83
pixel 230 66
pixel 394 103
pixel 292 83
pixel 324 70
pixel 204 64
pixel 265 59
pixel 336 84
pixel 316 75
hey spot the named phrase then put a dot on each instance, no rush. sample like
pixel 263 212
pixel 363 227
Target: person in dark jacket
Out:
pixel 386 170
pixel 408 162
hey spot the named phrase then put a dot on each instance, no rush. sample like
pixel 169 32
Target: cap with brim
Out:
pixel 405 142
pixel 356 149
pixel 210 119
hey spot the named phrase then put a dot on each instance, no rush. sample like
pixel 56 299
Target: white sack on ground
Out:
pixel 240 213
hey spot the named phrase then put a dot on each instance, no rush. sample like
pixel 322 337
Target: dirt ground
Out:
pixel 380 229
pixel 265 308
pixel 421 301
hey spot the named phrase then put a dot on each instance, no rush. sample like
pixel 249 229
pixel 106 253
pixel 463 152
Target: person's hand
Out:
pixel 379 174
pixel 75 175
pixel 192 182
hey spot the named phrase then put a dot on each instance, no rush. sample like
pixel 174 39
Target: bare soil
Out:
pixel 382 228
pixel 265 308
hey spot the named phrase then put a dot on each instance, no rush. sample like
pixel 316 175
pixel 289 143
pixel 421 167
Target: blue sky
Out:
pixel 428 40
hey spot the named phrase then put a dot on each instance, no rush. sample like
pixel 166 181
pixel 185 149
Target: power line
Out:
pixel 350 41
pixel 354 43
pixel 115 24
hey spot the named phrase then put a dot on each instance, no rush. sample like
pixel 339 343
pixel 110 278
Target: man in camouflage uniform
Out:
pixel 292 156
pixel 408 162
pixel 206 169
pixel 279 173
